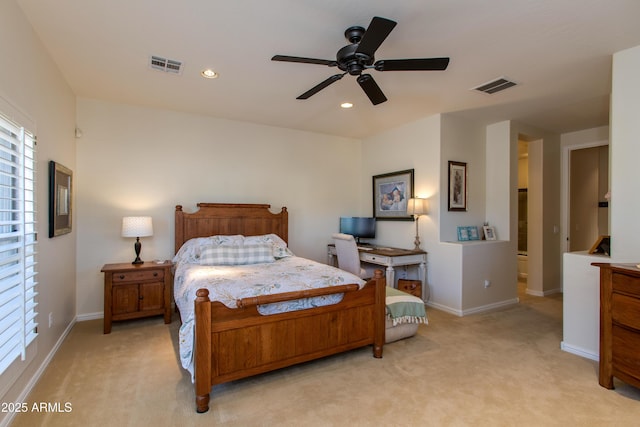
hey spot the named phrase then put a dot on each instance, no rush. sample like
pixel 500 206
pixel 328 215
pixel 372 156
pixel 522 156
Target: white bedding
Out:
pixel 230 283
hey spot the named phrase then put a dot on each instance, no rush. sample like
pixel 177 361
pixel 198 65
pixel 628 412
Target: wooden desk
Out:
pixel 389 258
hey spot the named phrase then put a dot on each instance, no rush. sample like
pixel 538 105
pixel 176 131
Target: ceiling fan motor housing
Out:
pixel 352 62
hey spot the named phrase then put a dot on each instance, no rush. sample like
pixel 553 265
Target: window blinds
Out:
pixel 18 326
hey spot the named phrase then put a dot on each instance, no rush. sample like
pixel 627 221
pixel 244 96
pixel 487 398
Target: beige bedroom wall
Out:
pixel 143 161
pixel 32 86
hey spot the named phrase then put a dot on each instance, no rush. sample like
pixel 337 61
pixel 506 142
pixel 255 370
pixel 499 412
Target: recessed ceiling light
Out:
pixel 209 74
pixel 346 105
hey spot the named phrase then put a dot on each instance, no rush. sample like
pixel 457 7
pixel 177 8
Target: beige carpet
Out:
pixel 503 368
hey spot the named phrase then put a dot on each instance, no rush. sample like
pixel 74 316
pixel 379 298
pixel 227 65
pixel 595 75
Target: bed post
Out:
pixel 379 310
pixel 202 350
pixel 179 228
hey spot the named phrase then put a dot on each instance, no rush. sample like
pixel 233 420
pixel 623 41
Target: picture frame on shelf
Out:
pixel 489 232
pixel 457 186
pixel 473 233
pixel 467 233
pixel 60 202
pixel 601 246
pixel 391 192
pixel 463 234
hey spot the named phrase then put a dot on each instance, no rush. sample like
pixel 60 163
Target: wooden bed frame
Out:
pixel 236 343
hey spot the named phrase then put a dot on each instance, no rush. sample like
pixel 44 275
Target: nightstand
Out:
pixel 413 287
pixel 132 291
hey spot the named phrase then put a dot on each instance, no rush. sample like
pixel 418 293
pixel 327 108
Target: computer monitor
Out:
pixel 358 227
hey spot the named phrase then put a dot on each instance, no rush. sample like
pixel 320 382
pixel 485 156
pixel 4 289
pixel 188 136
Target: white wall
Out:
pixel 462 141
pixel 581 304
pixel 31 83
pixel 624 171
pixel 141 161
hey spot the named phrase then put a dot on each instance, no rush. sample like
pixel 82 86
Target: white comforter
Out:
pixel 230 283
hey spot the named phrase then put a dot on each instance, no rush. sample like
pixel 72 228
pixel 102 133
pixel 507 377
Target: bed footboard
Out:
pixel 236 343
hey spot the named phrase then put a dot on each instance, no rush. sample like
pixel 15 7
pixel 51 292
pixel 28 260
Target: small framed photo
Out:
pixel 463 234
pixel 457 186
pixel 601 246
pixel 473 233
pixel 489 232
pixel 60 181
pixel 391 192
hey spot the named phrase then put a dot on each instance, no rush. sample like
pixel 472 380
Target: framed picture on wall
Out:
pixel 391 192
pixel 457 186
pixel 60 181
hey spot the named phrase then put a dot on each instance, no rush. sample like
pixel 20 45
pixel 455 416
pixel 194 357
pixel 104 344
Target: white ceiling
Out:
pixel 559 51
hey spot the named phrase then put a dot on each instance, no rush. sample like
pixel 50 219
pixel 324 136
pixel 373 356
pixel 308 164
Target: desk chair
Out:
pixel 348 256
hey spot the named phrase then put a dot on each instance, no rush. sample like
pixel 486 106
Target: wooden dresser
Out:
pixel 132 291
pixel 619 323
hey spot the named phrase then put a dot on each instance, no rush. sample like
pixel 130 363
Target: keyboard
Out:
pixel 365 248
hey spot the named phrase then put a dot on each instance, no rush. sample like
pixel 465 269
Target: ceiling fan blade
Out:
pixel 300 59
pixel 317 88
pixel 371 88
pixel 418 64
pixel 376 33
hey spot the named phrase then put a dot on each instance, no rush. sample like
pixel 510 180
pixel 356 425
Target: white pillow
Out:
pixel 280 249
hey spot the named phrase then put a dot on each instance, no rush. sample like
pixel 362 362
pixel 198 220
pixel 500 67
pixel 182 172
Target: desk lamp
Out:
pixel 137 226
pixel 417 207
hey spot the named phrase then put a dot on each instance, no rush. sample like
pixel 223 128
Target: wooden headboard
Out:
pixel 227 219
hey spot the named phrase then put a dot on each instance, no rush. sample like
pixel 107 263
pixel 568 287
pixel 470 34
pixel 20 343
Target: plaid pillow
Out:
pixel 237 255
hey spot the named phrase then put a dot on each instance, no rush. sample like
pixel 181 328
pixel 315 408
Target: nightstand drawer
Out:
pixel 137 276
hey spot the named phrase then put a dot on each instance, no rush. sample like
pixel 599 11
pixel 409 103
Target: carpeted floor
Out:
pixel 503 368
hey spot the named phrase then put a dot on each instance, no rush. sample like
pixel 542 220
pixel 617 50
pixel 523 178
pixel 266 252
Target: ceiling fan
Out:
pixel 359 56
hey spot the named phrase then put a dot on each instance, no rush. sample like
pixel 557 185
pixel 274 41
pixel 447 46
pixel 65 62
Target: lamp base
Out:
pixel 417 241
pixel 137 246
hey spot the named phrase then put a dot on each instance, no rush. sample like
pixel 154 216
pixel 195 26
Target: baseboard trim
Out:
pixel 490 307
pixel 587 354
pixel 543 293
pixel 90 316
pixel 36 376
pixel 474 310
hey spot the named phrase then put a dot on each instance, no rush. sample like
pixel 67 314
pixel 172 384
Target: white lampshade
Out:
pixel 417 206
pixel 137 226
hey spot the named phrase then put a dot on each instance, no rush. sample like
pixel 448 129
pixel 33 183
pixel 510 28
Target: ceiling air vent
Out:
pixel 166 65
pixel 494 86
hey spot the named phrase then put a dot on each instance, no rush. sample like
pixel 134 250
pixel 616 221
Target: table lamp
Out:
pixel 417 207
pixel 137 226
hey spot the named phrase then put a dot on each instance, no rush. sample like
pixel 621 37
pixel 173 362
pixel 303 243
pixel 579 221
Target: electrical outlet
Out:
pixel 487 283
pixel 50 319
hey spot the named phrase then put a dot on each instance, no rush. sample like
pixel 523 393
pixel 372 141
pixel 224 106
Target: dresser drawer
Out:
pixel 375 259
pixel 626 351
pixel 626 284
pixel 137 276
pixel 625 311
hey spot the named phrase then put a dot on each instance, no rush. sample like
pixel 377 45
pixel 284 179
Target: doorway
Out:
pixel 589 221
pixel 588 208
